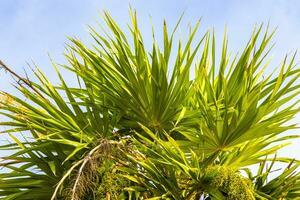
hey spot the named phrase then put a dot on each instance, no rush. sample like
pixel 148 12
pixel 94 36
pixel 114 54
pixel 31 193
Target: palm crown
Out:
pixel 139 117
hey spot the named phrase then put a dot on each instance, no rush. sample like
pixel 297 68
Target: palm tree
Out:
pixel 138 126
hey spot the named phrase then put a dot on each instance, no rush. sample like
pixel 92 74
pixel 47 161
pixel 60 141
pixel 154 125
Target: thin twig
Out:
pixel 86 160
pixel 82 163
pixel 19 78
pixel 63 179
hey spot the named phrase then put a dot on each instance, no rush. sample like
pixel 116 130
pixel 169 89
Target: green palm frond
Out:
pixel 189 124
pixel 60 130
pixel 163 170
pixel 33 170
pixel 237 104
pixel 286 185
pixel 134 82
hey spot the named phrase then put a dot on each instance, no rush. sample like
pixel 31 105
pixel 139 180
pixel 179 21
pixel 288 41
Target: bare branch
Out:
pixel 19 78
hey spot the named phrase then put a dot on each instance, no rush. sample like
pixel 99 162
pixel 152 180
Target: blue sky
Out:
pixel 31 29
